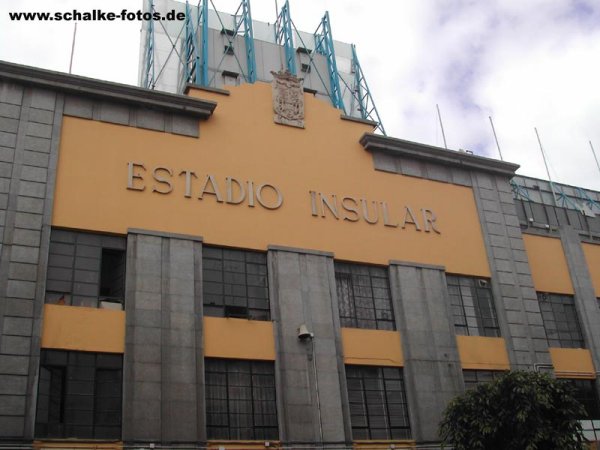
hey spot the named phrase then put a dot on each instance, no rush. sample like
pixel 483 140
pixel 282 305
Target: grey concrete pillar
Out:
pixel 311 381
pixel 163 395
pixel 432 369
pixel 518 310
pixel 585 294
pixel 30 123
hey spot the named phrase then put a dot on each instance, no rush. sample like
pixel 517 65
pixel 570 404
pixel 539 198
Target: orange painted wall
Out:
pixel 242 141
pixel 548 264
pixel 572 363
pixel 372 347
pixel 83 329
pixel 238 339
pixel 592 256
pixel 482 353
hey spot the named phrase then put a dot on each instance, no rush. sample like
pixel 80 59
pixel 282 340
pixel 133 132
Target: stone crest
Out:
pixel 288 99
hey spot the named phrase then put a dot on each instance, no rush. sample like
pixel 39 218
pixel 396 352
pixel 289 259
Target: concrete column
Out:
pixel 518 310
pixel 432 369
pixel 163 395
pixel 311 381
pixel 30 123
pixel 585 294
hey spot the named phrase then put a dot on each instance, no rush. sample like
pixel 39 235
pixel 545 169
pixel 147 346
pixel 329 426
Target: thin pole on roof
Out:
pixel 441 126
pixel 546 165
pixel 73 47
pixel 595 157
pixel 496 138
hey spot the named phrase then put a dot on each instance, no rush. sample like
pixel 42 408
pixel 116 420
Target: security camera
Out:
pixel 304 334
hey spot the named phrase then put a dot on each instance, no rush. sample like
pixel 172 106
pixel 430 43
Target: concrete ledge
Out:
pixel 356 119
pixel 116 92
pixel 282 248
pixel 417 265
pixel 436 155
pixel 205 88
pixel 185 237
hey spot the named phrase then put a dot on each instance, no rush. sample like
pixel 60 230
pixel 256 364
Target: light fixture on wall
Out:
pixel 304 334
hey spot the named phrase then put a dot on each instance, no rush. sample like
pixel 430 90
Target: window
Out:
pixel 378 406
pixel 472 306
pixel 364 297
pixel 240 400
pixel 235 284
pixel 86 269
pixel 560 320
pixel 586 394
pixel 79 395
pixel 474 378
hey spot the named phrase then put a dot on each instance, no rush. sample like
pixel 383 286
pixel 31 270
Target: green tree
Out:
pixel 518 411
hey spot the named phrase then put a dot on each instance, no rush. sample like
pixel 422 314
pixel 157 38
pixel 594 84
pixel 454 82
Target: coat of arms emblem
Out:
pixel 288 99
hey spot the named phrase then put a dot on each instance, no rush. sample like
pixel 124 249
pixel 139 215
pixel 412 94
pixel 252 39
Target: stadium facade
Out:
pixel 253 268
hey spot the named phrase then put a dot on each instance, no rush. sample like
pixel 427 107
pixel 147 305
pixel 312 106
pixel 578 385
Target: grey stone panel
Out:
pixel 586 303
pixel 302 291
pixel 432 368
pixel 163 365
pixel 130 115
pixel 30 126
pixel 512 285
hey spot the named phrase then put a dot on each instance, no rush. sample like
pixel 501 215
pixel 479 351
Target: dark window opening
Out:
pixel 560 320
pixel 378 405
pixel 364 297
pixel 474 378
pixel 112 275
pixel 585 393
pixel 235 284
pixel 240 400
pixel 79 395
pixel 472 306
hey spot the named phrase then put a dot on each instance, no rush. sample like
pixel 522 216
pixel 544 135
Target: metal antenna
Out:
pixel 73 47
pixel 441 126
pixel 496 138
pixel 595 157
pixel 546 164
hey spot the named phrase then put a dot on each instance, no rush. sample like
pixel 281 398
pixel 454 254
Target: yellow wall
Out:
pixel 77 444
pixel 241 140
pixel 238 338
pixel 242 445
pixel 482 353
pixel 372 347
pixel 572 363
pixel 83 329
pixel 592 256
pixel 377 445
pixel 548 264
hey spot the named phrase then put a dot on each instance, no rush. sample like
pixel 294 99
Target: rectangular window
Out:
pixel 378 405
pixel 586 394
pixel 364 297
pixel 86 269
pixel 472 306
pixel 235 284
pixel 240 400
pixel 474 378
pixel 560 320
pixel 79 395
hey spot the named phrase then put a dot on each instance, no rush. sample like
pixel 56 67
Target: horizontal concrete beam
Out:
pixel 436 155
pixel 116 92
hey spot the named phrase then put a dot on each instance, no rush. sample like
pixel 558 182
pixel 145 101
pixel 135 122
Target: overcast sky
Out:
pixel 526 63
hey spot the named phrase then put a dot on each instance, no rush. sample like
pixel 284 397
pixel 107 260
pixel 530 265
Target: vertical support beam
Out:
pixel 203 24
pixel 324 46
pixel 362 94
pixel 249 41
pixel 285 37
pixel 432 369
pixel 148 80
pixel 163 363
pixel 311 380
pixel 585 294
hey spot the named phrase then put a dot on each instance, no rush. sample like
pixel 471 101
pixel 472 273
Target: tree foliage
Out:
pixel 518 411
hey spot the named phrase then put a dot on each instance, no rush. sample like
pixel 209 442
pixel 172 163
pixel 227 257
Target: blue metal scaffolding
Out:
pixel 148 79
pixel 285 37
pixel 324 46
pixel 362 93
